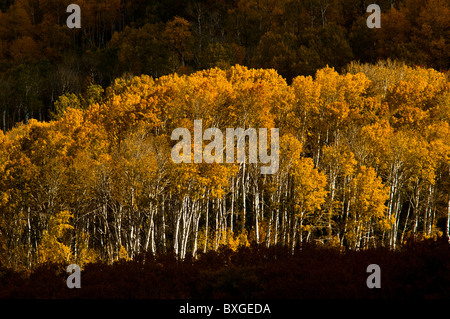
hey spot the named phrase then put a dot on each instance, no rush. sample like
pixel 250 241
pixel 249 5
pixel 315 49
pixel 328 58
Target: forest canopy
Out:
pixel 364 162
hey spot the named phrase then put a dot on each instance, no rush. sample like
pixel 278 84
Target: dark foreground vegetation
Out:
pixel 418 270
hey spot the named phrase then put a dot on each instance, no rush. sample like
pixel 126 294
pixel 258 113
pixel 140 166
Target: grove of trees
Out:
pixel 364 162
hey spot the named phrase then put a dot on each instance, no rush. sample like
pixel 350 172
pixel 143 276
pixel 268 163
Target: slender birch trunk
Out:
pixel 448 218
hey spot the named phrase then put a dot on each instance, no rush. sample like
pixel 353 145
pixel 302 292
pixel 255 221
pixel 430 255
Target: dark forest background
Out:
pixel 42 59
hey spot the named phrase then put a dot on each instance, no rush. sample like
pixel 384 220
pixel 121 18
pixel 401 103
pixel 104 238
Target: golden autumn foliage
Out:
pixel 363 161
pixel 51 248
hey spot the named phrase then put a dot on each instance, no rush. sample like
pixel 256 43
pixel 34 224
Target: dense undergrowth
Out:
pixel 417 270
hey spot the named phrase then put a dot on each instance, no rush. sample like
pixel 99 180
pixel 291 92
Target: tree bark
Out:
pixel 448 218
